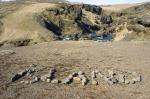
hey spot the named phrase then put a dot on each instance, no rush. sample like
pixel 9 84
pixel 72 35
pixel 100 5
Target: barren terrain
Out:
pixel 118 7
pixel 71 39
pixel 69 56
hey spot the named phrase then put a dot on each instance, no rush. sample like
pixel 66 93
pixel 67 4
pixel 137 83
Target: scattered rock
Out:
pixel 127 81
pixel 94 82
pixel 33 81
pixel 23 73
pixel 97 71
pixel 52 73
pixel 76 79
pixel 17 76
pixel 36 79
pixel 114 80
pixel 66 81
pixel 111 77
pixel 33 65
pixel 101 75
pixel 93 74
pixel 74 74
pixel 27 72
pixel 84 81
pixel 22 81
pixel 137 79
pixel 106 79
pixel 26 82
pixel 110 81
pixel 111 73
pixel 55 81
pixel 132 81
pixel 30 71
pixel 44 77
pixel 83 78
pixel 48 80
pixel 121 78
pixel 50 76
pixel 80 73
pixel 70 77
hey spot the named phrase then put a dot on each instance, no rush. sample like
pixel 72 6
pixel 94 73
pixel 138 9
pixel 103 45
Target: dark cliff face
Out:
pixel 92 8
pixel 77 20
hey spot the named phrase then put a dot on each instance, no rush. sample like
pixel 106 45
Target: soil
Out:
pixel 69 56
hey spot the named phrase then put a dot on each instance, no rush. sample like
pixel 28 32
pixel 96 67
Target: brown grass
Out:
pixel 25 24
pixel 118 7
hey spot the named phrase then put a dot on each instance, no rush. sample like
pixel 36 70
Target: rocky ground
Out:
pixel 44 22
pixel 67 57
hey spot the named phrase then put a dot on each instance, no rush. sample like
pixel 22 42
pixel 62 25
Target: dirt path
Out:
pixel 74 56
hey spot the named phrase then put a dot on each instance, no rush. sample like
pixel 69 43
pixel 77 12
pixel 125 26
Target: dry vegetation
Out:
pixel 31 28
pixel 127 21
pixel 117 8
pixel 70 56
pixel 24 24
pixel 28 25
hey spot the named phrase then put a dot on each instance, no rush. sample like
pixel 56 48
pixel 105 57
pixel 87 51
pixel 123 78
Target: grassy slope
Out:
pixel 19 20
pixel 25 24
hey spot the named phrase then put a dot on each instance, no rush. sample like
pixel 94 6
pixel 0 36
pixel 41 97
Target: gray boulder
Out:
pixel 139 28
pixel 136 28
pixel 106 19
pixel 145 21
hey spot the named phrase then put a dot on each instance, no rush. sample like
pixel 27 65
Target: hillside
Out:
pixel 138 21
pixel 132 23
pixel 40 22
pixel 74 51
pixel 24 24
pixel 31 22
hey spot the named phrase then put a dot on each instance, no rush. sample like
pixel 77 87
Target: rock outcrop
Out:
pixel 106 19
pixel 145 20
pixel 92 8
